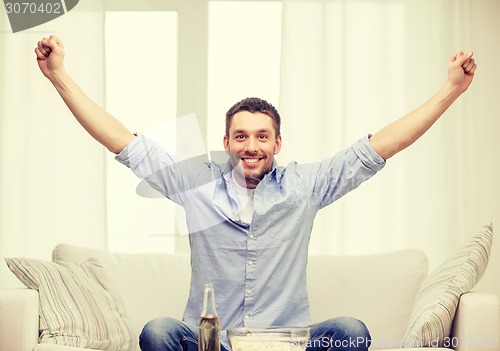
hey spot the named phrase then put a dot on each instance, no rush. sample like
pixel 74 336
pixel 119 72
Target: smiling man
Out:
pixel 250 220
pixel 252 139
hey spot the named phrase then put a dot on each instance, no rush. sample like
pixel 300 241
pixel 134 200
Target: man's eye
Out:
pixel 240 137
pixel 263 136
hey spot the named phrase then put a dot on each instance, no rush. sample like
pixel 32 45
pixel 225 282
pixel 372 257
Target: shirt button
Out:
pixel 250 236
pixel 247 316
pixel 249 291
pixel 250 263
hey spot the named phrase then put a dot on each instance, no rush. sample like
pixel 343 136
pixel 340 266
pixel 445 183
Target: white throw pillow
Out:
pixel 150 285
pixel 78 306
pixel 432 316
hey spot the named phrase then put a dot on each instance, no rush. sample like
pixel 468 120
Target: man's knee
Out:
pixel 354 327
pixel 343 333
pixel 355 331
pixel 157 331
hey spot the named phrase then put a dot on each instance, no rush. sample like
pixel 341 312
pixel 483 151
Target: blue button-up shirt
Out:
pixel 258 269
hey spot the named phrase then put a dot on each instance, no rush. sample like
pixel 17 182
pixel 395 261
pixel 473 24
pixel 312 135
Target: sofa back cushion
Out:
pixel 151 285
pixel 378 289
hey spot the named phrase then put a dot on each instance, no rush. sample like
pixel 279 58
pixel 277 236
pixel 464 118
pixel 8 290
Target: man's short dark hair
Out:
pixel 253 104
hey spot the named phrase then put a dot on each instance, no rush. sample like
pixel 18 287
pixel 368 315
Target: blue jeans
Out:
pixel 337 334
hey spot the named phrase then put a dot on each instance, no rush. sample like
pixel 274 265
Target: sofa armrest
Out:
pixel 476 326
pixel 19 320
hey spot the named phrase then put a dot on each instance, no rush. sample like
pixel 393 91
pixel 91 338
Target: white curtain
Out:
pixel 52 175
pixel 351 67
pixel 348 68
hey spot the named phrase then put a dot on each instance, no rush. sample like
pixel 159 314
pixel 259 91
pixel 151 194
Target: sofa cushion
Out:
pixel 151 285
pixel 439 295
pixel 78 305
pixel 378 289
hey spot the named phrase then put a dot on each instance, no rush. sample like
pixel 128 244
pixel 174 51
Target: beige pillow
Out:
pixel 78 306
pixel 437 300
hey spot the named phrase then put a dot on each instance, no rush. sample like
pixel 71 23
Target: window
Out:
pixel 170 59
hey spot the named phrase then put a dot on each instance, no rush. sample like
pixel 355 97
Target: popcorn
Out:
pixel 256 343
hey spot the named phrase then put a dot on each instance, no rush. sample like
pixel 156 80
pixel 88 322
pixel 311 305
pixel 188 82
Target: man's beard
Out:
pixel 251 176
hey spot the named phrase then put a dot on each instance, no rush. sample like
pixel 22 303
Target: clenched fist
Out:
pixel 50 56
pixel 461 70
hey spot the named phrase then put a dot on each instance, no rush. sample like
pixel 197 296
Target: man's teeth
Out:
pixel 250 160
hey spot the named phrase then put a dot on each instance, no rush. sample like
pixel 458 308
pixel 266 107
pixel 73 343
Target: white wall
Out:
pixel 483 196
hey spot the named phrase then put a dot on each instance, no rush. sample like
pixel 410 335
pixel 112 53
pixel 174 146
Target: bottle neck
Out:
pixel 209 302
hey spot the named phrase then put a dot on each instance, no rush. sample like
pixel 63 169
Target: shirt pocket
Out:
pixel 284 222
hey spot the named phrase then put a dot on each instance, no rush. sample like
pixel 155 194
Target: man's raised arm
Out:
pixel 99 124
pixel 406 130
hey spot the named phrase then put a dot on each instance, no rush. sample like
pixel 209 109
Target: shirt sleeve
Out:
pixel 158 168
pixel 345 171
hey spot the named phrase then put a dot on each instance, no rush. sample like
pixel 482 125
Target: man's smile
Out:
pixel 250 160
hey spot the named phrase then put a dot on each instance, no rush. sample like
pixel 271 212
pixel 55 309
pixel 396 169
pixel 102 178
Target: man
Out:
pixel 250 219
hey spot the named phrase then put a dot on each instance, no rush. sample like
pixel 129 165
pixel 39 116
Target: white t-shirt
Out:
pixel 245 201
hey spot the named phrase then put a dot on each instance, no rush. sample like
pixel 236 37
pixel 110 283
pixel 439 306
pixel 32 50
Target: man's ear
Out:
pixel 226 144
pixel 277 147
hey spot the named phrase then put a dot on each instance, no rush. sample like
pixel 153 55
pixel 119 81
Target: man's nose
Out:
pixel 251 145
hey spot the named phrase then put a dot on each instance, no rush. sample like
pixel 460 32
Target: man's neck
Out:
pixel 248 183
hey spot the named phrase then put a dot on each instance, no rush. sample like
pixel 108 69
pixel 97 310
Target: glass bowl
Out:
pixel 268 338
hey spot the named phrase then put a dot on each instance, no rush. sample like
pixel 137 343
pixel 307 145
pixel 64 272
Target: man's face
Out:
pixel 251 145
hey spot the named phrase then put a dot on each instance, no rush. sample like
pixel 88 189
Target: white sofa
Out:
pixel 378 289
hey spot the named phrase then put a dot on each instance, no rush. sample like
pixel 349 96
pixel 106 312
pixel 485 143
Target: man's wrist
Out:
pixel 56 75
pixel 452 90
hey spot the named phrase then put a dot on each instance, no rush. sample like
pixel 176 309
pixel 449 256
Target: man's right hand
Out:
pixel 50 56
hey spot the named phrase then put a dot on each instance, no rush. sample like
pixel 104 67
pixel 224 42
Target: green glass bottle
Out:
pixel 209 326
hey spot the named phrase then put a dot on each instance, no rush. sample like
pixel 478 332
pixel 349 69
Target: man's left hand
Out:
pixel 461 68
